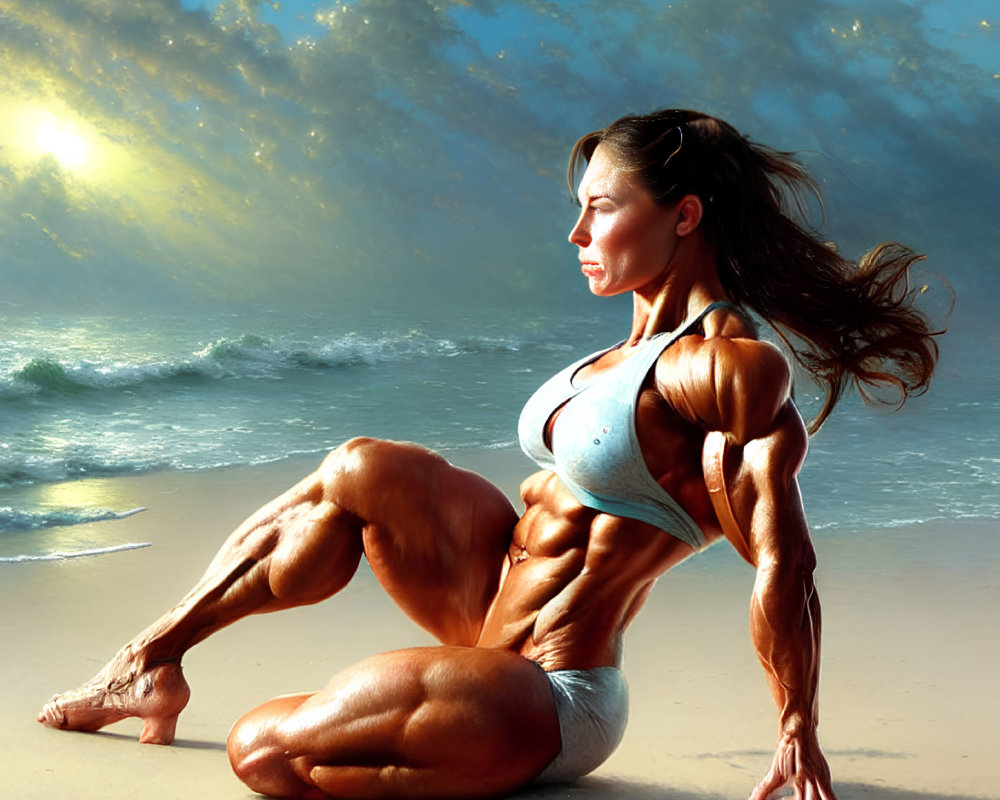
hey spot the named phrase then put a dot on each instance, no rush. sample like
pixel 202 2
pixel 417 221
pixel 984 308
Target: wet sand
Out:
pixel 909 699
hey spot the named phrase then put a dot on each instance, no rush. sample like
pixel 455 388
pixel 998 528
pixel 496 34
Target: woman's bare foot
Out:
pixel 157 694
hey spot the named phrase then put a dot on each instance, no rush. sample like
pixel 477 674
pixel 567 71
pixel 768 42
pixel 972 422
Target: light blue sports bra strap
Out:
pixel 667 339
pixel 686 329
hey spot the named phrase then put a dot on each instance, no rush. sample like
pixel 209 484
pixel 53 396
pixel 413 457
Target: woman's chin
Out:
pixel 602 289
pixel 599 285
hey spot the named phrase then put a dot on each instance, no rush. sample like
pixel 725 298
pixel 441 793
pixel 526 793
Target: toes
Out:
pixel 157 696
pixel 52 715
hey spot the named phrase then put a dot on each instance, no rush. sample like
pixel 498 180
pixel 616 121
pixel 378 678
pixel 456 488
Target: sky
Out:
pixel 184 154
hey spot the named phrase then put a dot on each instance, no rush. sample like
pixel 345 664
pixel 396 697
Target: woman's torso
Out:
pixel 576 576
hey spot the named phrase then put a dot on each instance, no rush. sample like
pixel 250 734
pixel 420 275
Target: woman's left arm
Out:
pixel 738 390
pixel 755 486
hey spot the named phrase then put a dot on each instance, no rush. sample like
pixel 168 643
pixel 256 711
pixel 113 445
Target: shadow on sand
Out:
pixel 620 789
pixel 185 744
pixel 600 788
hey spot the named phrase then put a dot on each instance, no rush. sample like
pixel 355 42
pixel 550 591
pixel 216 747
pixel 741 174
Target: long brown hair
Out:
pixel 846 322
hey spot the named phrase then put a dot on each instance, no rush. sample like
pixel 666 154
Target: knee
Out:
pixel 350 463
pixel 362 464
pixel 261 759
pixel 254 758
pixel 353 452
pixel 265 771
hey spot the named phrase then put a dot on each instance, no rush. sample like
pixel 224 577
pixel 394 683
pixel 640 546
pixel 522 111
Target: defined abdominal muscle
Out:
pixel 573 580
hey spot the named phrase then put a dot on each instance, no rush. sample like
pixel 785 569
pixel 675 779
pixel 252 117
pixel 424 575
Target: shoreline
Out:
pixel 908 701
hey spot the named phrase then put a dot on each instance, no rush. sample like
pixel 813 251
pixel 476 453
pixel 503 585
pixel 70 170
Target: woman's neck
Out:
pixel 680 295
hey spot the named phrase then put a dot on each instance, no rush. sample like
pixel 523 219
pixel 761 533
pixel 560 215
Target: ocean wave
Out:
pixel 178 455
pixel 60 555
pixel 247 356
pixel 48 467
pixel 45 373
pixel 13 519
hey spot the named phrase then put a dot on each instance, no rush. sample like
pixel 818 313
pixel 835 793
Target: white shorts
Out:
pixel 592 708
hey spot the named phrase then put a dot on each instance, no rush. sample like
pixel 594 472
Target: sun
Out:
pixel 31 131
pixel 67 147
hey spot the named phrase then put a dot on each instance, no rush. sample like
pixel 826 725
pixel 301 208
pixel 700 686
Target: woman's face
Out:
pixel 625 239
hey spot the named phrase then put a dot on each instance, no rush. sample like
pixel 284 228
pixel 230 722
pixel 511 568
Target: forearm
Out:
pixel 785 629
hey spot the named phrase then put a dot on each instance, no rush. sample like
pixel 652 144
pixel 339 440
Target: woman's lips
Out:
pixel 590 269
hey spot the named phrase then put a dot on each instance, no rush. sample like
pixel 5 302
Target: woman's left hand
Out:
pixel 798 763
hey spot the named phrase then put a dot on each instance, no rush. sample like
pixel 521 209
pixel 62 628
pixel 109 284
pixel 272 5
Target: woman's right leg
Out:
pixel 430 722
pixel 435 535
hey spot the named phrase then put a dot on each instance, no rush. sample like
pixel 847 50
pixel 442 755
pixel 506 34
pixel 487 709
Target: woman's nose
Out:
pixel 580 234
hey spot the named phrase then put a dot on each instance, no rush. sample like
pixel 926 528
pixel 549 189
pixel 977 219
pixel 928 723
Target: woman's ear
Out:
pixel 690 213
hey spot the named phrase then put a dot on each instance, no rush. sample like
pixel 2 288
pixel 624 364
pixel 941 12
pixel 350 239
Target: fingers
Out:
pixel 800 767
pixel 826 791
pixel 771 783
pixel 814 791
pixel 806 787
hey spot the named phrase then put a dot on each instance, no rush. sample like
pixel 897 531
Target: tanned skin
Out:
pixel 509 596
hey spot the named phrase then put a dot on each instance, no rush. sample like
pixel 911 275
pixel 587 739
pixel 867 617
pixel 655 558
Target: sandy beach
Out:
pixel 909 700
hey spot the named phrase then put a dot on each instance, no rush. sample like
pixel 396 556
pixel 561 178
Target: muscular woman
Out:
pixel 681 435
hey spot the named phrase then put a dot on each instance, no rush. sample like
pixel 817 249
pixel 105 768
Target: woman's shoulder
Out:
pixel 726 380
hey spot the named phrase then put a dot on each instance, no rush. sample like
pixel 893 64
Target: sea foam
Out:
pixel 59 555
pixel 12 519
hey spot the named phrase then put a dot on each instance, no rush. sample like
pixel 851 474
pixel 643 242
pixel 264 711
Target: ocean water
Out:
pixel 86 397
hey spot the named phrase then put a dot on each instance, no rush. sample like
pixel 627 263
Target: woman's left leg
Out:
pixel 436 537
pixel 433 722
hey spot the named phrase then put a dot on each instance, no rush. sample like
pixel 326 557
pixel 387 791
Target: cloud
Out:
pixel 239 157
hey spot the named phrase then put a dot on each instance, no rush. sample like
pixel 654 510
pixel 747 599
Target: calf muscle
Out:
pixel 439 555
